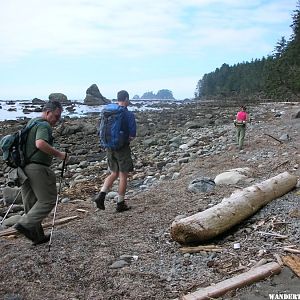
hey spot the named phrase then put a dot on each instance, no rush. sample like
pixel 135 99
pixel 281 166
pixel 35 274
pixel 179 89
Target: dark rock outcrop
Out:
pixel 94 97
pixel 62 98
pixel 37 101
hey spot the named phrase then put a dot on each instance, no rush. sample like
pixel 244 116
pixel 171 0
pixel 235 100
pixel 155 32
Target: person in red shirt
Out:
pixel 241 119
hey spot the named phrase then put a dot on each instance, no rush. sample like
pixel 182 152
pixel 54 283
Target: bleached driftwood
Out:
pixel 274 234
pixel 293 262
pixel 209 248
pixel 238 281
pixel 287 249
pixel 11 231
pixel 278 258
pixel 231 211
pixel 263 261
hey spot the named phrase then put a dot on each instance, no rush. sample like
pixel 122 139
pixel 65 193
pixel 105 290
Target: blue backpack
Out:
pixel 13 147
pixel 113 127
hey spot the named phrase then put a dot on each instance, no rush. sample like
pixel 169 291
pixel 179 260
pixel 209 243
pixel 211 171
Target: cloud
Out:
pixel 80 27
pixel 66 45
pixel 131 27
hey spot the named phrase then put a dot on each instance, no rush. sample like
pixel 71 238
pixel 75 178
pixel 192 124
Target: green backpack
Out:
pixel 13 147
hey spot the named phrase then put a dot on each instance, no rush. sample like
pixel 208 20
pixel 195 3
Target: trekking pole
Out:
pixel 57 198
pixel 10 207
pixel 249 128
pixel 248 138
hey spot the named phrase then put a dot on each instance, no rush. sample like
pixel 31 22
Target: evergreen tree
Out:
pixel 277 76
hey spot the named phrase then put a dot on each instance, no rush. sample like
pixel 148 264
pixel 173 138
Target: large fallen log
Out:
pixel 238 281
pixel 231 211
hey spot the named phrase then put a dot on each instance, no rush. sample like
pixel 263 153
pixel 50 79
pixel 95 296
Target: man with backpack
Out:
pixel 39 191
pixel 117 130
pixel 240 124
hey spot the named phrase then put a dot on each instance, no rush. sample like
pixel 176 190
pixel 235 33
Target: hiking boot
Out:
pixel 44 239
pixel 122 206
pixel 30 234
pixel 99 200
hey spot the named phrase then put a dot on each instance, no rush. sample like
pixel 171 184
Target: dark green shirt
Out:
pixel 41 131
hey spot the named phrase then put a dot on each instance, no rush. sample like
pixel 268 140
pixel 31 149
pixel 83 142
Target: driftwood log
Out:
pixel 10 231
pixel 238 281
pixel 231 211
pixel 293 262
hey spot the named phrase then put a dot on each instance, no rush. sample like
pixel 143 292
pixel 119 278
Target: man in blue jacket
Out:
pixel 119 161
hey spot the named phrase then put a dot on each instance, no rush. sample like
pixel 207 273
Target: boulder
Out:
pixel 60 97
pixel 150 142
pixel 233 176
pixel 94 97
pixel 37 101
pixel 12 195
pixel 199 185
pixel 198 123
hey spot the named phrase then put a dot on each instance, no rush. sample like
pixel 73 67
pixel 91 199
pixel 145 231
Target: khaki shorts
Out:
pixel 120 160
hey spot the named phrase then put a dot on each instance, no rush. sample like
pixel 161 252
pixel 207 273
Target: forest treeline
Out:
pixel 276 76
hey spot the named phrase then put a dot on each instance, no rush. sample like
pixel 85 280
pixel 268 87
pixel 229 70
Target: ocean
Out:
pixel 20 109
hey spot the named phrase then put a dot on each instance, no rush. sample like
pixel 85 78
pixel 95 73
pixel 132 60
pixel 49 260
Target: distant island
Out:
pixel 161 95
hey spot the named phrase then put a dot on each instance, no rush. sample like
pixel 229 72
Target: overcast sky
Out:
pixel 65 46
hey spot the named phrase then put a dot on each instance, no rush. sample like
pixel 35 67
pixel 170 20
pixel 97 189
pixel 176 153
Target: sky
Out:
pixel 65 46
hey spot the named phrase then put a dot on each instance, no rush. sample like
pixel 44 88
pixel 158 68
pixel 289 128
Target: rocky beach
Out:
pixel 105 255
